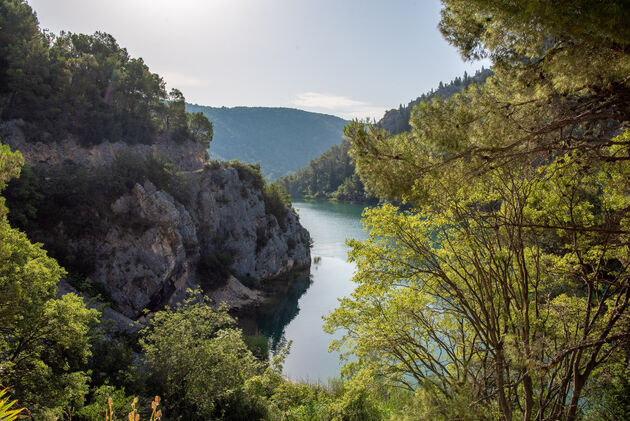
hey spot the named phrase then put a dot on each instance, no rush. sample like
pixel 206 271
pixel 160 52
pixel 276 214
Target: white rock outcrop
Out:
pixel 154 248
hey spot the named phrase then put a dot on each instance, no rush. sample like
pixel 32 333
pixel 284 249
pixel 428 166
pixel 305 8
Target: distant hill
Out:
pixel 282 140
pixel 329 176
pixel 332 175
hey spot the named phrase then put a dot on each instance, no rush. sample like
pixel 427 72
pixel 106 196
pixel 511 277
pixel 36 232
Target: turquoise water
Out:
pixel 298 318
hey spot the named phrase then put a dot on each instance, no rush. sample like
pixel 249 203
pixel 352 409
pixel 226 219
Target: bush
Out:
pixel 199 359
pixel 277 202
pixel 259 345
pixel 98 404
pixel 249 173
pixel 92 289
pixel 113 362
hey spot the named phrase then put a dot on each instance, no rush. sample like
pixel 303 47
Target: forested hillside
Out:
pixel 282 140
pixel 396 120
pixel 332 175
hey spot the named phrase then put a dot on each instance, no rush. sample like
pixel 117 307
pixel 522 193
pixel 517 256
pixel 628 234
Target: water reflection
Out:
pixel 280 310
pixel 296 306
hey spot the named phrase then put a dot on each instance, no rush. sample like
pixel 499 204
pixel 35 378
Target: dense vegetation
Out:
pixel 503 294
pixel 332 175
pixel 281 140
pixel 508 285
pixel 84 85
pixel 396 120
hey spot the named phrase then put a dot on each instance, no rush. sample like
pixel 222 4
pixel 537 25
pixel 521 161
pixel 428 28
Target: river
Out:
pixel 298 317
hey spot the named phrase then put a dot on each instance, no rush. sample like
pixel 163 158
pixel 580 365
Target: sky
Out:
pixel 350 58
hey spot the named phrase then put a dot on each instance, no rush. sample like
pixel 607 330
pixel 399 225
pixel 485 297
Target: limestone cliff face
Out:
pixel 223 234
pixel 187 155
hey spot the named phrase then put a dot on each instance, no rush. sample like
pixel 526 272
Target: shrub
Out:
pixel 259 345
pixel 106 399
pixel 249 173
pixel 277 202
pixel 91 288
pixel 199 359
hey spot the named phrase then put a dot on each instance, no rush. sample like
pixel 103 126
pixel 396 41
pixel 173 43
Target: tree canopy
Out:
pixel 507 285
pixel 44 341
pixel 84 85
pixel 553 91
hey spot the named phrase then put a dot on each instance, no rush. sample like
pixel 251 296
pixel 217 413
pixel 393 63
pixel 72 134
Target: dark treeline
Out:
pixel 396 120
pixel 332 175
pixel 84 85
pixel 329 176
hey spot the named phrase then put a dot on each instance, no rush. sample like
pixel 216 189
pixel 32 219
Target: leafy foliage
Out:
pixel 508 284
pixel 10 164
pixel 6 411
pixel 44 340
pixel 474 291
pixel 199 358
pixel 277 202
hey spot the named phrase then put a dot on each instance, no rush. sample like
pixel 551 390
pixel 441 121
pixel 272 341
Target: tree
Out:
pixel 23 193
pixel 200 128
pixel 197 355
pixel 176 114
pixel 10 164
pixel 44 340
pixel 508 285
pixel 23 60
pixel 481 298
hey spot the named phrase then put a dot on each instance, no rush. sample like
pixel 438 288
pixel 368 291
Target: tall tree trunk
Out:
pixel 529 397
pixel 504 407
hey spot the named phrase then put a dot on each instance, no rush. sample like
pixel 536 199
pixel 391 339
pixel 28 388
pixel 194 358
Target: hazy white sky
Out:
pixel 351 58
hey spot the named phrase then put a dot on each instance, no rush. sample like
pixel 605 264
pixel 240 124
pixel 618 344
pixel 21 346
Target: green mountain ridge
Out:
pixel 332 175
pixel 281 140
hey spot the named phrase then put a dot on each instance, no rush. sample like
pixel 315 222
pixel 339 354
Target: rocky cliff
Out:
pixel 150 246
